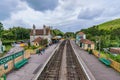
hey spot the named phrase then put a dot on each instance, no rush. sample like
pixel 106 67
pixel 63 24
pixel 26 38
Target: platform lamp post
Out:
pixel 98 41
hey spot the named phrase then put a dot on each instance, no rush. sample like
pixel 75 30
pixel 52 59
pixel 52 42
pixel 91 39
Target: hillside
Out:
pixel 108 33
pixel 113 24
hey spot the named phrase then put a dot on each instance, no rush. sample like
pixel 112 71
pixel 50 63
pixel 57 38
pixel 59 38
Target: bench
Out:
pixel 20 63
pixel 105 61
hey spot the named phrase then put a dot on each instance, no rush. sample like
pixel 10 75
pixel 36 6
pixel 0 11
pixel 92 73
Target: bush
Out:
pixel 5 42
pixel 116 58
pixel 44 42
pixel 33 47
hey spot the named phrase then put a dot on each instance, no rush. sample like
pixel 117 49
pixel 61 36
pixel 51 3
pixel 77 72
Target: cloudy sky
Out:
pixel 66 15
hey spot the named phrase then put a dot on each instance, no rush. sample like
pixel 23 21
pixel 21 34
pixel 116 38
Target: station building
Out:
pixel 80 36
pixel 44 33
pixel 83 42
pixel 86 44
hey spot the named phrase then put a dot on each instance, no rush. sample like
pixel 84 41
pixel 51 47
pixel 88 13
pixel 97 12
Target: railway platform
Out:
pixel 28 71
pixel 99 70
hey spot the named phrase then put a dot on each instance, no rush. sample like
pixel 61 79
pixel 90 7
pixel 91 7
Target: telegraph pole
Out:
pixel 99 47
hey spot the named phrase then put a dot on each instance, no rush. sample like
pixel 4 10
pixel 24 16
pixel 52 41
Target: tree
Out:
pixel 115 33
pixel 1 29
pixel 16 33
pixel 69 35
pixel 57 32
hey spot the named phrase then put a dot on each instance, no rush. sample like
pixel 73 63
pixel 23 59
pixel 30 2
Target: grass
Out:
pixel 103 55
pixel 113 24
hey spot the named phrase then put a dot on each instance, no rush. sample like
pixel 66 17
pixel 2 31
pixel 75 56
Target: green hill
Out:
pixel 113 24
pixel 108 32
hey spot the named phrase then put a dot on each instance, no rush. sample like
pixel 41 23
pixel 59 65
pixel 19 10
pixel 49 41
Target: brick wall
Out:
pixel 115 51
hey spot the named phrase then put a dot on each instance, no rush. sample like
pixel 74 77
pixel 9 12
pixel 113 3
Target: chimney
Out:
pixel 49 28
pixel 34 31
pixel 44 29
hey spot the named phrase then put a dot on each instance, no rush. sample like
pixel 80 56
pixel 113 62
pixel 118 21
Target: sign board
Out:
pixel 10 57
pixel 5 59
pixel 18 54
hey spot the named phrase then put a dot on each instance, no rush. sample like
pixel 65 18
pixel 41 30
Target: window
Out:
pixel 89 45
pixel 80 37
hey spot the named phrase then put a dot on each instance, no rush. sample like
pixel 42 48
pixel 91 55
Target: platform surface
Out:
pixel 98 69
pixel 28 71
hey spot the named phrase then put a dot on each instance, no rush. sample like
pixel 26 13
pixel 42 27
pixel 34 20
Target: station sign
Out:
pixel 10 57
pixel 18 54
pixel 6 59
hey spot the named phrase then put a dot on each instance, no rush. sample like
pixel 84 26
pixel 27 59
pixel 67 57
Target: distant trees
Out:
pixel 15 33
pixel 1 29
pixel 69 35
pixel 115 33
pixel 108 38
pixel 20 33
pixel 56 32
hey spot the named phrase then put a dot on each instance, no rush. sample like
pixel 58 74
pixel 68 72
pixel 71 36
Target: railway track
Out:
pixel 52 71
pixel 74 70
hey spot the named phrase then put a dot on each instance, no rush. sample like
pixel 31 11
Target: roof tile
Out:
pixel 86 41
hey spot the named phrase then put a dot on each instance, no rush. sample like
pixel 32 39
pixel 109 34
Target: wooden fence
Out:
pixel 115 65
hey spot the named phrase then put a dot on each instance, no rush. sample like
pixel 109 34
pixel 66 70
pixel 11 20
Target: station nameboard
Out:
pixel 11 57
pixel 6 59
pixel 18 54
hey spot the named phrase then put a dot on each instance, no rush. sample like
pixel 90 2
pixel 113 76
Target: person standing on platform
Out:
pixel 40 53
pixel 43 50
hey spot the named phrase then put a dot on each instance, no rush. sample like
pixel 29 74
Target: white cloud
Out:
pixel 68 15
